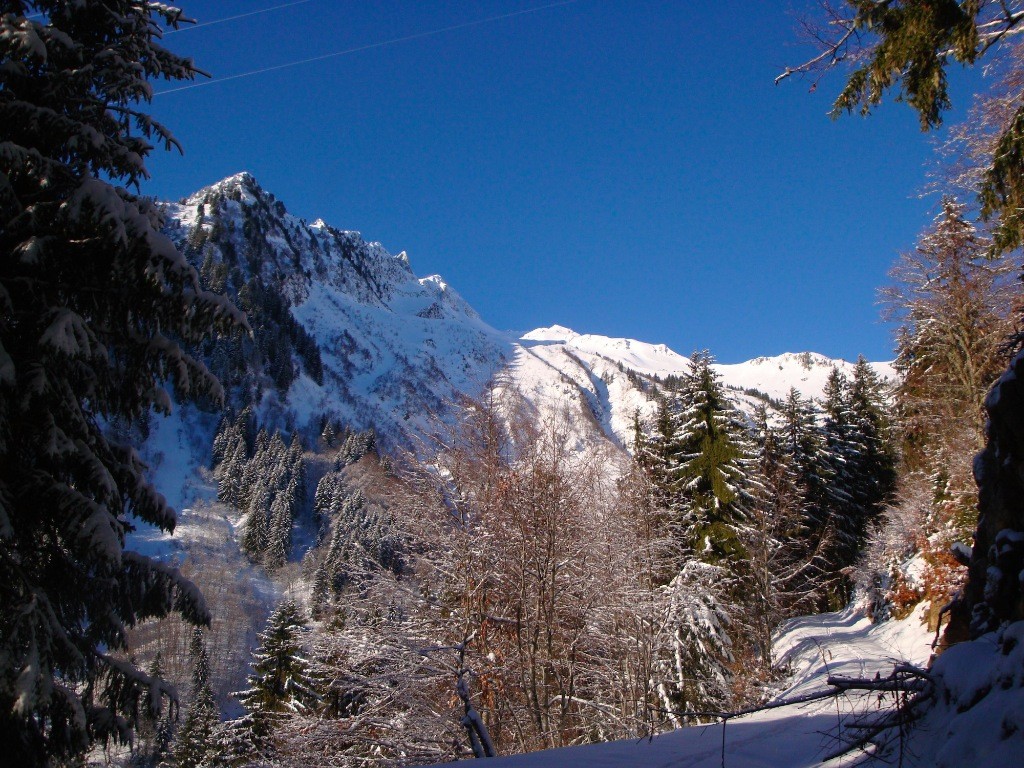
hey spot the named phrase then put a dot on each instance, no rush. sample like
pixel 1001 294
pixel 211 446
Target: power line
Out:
pixel 234 18
pixel 368 47
pixel 213 21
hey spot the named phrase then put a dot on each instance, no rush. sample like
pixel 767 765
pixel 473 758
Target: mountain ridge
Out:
pixel 397 352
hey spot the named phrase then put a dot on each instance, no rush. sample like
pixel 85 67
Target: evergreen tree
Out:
pixel 280 680
pixel 660 454
pixel 696 676
pixel 356 445
pixel 95 305
pixel 219 449
pixel 297 471
pixel 715 469
pixel 194 745
pixel 825 507
pixel 244 742
pixel 874 464
pixel 256 532
pixel 782 571
pixel 274 461
pixel 231 471
pixel 804 445
pixel 838 428
pixel 279 533
pixel 329 434
pixel 954 309
pixel 154 733
pixel 261 443
pixel 908 44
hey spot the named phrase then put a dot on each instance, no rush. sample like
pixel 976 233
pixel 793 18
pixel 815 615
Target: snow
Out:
pixel 806 371
pixel 551 333
pixel 176 453
pixel 979 719
pixel 648 359
pixel 557 365
pixel 787 737
pixel 772 376
pixel 847 643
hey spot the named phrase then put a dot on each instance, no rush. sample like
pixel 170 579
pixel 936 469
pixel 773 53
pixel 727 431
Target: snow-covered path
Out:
pixel 847 644
pixel 798 736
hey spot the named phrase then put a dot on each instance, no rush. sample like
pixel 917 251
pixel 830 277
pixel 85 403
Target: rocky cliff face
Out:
pixel 342 327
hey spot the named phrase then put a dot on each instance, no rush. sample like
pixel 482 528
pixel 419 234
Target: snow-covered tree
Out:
pixel 954 307
pixel 355 446
pixel 660 453
pixel 329 434
pixel 908 46
pixel 153 734
pixel 782 574
pixel 828 526
pixel 297 470
pixel 256 531
pixel 231 472
pixel 280 680
pixel 694 676
pixel 874 462
pixel 94 306
pixel 193 744
pixel 716 458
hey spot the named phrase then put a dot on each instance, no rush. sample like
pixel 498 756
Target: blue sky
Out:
pixel 622 167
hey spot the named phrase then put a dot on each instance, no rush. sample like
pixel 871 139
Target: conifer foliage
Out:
pixel 193 745
pixel 280 679
pixel 266 480
pixel 954 306
pixel 701 460
pixel 94 304
pixel 908 45
pixel 716 464
pixel 768 516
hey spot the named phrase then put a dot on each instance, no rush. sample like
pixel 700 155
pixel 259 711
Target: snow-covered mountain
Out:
pixel 347 329
pixel 772 376
pixel 394 349
pixel 611 374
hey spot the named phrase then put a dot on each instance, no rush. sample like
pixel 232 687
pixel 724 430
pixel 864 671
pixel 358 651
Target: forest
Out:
pixel 489 584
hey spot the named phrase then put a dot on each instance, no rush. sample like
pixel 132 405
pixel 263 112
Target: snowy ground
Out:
pixel 790 737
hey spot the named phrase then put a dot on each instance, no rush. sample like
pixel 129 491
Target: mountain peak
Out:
pixel 241 180
pixel 551 333
pixel 240 186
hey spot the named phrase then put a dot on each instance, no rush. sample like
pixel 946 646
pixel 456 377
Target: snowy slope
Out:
pixel 639 356
pixel 773 376
pixel 789 737
pixel 599 367
pixel 806 371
